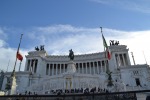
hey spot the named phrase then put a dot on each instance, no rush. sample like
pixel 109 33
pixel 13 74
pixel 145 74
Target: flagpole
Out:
pixel 107 63
pixel 144 57
pixel 103 41
pixel 20 66
pixel 102 36
pixel 13 73
pixel 8 65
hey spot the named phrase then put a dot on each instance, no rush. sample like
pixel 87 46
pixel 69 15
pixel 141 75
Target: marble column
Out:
pixel 94 67
pixel 123 60
pixel 82 69
pixel 33 65
pixel 60 68
pixel 53 69
pixel 79 67
pixel 90 68
pixel 97 67
pixel 119 61
pixel 30 68
pixel 101 66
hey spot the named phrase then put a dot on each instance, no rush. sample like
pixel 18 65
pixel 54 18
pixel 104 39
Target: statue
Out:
pixel 71 55
pixel 109 78
pixel 117 43
pixel 120 86
pixel 42 47
pixel 37 48
pixel 111 42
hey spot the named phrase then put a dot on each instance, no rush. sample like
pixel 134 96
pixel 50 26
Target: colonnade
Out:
pixel 95 67
pixel 32 65
pixel 55 69
pixel 121 60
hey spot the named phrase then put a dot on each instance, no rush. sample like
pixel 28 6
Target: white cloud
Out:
pixel 135 5
pixel 138 43
pixel 87 40
pixel 7 59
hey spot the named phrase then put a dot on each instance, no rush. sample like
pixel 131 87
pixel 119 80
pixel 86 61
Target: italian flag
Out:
pixel 19 56
pixel 107 49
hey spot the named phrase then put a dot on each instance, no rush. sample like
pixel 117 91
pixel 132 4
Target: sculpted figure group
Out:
pixel 113 42
pixel 39 49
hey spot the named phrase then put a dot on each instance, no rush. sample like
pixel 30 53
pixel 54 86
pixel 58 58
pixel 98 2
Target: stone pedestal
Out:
pixel 71 67
pixel 13 86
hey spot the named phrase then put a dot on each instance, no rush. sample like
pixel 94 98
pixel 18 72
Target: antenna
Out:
pixel 144 57
pixel 8 65
pixel 101 30
pixel 133 58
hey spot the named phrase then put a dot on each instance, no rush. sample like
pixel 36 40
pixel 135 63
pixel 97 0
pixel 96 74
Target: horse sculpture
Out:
pixel 71 55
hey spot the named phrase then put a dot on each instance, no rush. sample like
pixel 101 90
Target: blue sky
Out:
pixel 64 24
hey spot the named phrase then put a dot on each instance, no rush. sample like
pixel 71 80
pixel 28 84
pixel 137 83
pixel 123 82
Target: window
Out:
pixel 36 61
pixel 137 80
pixel 135 72
pixel 28 65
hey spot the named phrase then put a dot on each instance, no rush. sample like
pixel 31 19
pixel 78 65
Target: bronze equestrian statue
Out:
pixel 71 55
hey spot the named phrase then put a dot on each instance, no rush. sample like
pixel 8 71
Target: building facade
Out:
pixel 44 72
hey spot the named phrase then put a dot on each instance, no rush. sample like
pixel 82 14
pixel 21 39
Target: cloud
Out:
pixel 137 5
pixel 138 44
pixel 8 54
pixel 7 59
pixel 65 37
pixel 58 39
pixel 81 39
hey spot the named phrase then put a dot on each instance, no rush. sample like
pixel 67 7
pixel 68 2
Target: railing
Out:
pixel 129 95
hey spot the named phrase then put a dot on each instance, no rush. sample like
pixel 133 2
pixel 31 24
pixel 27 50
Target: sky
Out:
pixel 62 25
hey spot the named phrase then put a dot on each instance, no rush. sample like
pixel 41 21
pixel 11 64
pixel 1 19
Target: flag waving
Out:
pixel 106 48
pixel 19 56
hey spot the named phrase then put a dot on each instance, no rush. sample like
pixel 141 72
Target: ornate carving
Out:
pixel 119 86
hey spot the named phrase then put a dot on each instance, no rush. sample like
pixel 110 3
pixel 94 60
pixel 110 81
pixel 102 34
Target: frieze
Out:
pixel 120 48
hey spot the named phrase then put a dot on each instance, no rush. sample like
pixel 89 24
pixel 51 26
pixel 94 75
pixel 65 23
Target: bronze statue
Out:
pixel 113 42
pixel 42 47
pixel 117 43
pixel 37 48
pixel 110 83
pixel 71 55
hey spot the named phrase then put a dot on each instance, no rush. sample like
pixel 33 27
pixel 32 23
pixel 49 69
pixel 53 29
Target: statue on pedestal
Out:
pixel 71 55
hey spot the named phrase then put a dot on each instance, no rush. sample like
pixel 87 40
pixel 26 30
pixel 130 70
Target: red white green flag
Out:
pixel 107 49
